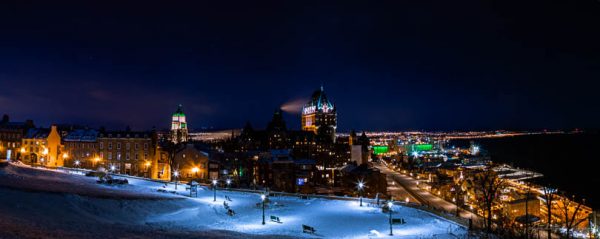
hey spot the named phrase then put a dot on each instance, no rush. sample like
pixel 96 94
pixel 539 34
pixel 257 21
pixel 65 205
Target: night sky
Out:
pixel 396 65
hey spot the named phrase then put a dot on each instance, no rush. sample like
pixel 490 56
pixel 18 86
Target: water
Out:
pixel 569 162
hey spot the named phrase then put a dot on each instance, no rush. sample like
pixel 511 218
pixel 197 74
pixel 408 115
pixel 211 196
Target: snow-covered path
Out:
pixel 65 213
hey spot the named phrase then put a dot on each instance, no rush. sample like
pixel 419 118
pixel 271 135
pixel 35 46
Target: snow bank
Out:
pixel 43 203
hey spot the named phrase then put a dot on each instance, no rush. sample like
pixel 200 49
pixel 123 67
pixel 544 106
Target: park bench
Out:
pixel 193 187
pixel 308 229
pixel 275 219
pixel 398 221
pixel 303 196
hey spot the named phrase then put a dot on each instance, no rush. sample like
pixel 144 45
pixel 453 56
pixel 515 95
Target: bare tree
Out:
pixel 487 186
pixel 549 195
pixel 172 149
pixel 570 210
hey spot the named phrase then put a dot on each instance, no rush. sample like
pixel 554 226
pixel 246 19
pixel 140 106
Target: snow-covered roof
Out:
pixel 82 135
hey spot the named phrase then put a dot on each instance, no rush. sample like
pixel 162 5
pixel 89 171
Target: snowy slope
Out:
pixel 70 206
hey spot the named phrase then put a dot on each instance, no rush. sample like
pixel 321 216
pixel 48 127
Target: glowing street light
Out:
pixel 176 174
pixel 361 185
pixel 65 155
pixel 195 171
pixel 263 197
pixel 214 182
pixel 390 204
pixel 228 183
pixel 77 163
pixel 112 168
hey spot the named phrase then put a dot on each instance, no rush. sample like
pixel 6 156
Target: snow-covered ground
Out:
pixel 44 203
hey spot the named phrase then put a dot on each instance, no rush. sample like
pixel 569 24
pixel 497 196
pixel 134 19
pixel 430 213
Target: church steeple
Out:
pixel 179 128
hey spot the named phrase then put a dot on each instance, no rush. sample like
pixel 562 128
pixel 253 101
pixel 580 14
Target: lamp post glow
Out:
pixel 77 163
pixel 228 183
pixel 214 182
pixel 361 185
pixel 390 204
pixel 112 168
pixel 195 171
pixel 263 197
pixel 176 174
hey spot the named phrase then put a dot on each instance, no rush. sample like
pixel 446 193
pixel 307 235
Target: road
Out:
pixel 409 185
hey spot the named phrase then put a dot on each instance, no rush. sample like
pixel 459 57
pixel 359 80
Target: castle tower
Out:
pixel 179 127
pixel 319 113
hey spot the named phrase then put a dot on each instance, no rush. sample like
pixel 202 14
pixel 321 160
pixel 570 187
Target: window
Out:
pixel 109 145
pixel 137 156
pixel 101 145
pixel 109 155
pixel 127 146
pixel 118 156
pixel 118 145
pixel 145 155
pixel 127 156
pixel 146 146
pixel 137 146
pixel 101 155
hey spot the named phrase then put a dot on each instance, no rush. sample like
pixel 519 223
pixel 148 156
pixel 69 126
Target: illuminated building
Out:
pixel 11 135
pixel 127 152
pixel 319 113
pixel 179 128
pixel 42 147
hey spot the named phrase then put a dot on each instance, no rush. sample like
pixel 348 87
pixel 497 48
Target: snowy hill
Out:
pixel 43 203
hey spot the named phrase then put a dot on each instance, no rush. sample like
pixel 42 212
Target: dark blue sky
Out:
pixel 434 65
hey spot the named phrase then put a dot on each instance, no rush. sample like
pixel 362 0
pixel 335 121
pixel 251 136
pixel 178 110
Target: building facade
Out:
pixel 123 152
pixel 11 137
pixel 42 147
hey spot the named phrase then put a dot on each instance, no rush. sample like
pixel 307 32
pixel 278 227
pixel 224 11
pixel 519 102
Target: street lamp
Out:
pixel 361 185
pixel 263 197
pixel 228 183
pixel 176 174
pixel 390 204
pixel 77 163
pixel 214 182
pixel 112 168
